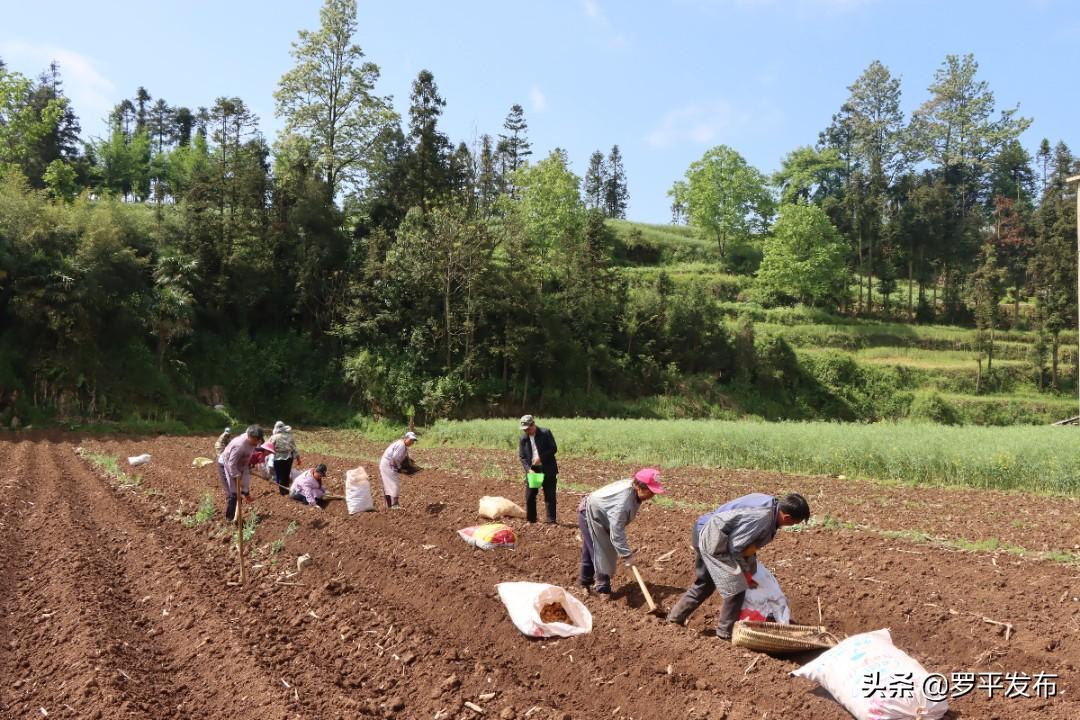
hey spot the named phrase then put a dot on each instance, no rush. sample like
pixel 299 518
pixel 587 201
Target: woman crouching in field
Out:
pixel 308 487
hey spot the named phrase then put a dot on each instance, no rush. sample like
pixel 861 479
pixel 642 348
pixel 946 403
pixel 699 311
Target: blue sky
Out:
pixel 664 79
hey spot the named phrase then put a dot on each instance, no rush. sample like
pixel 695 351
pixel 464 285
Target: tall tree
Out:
pixel 61 142
pixel 328 97
pixel 551 214
pixel 808 175
pixel 142 108
pixel 956 131
pixel 123 117
pixel 429 148
pixel 877 126
pixel 1044 155
pixel 488 182
pixel 183 122
pixel 986 290
pixel 513 147
pixel 160 125
pixel 616 194
pixel 726 197
pixel 595 182
pixel 1054 264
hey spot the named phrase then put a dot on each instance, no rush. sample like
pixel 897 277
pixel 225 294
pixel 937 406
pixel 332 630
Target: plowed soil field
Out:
pixel 112 607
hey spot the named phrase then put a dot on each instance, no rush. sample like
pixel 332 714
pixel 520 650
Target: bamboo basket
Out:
pixel 780 638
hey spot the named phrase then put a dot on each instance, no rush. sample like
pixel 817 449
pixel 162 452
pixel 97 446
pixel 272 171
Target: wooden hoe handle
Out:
pixel 644 590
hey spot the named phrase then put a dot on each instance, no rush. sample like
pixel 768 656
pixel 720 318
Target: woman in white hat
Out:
pixel 393 459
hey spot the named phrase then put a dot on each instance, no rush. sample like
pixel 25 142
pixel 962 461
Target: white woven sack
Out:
pixel 849 671
pixel 358 491
pixel 494 508
pixel 767 598
pixel 523 600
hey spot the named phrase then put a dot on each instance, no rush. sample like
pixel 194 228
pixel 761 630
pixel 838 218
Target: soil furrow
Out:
pixel 397 617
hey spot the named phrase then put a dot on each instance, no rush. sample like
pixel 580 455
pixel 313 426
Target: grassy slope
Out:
pixel 937 358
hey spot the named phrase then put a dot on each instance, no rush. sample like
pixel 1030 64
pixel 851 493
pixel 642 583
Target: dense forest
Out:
pixel 366 262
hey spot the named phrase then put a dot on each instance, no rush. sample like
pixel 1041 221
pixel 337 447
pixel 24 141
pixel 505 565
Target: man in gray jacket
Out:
pixel 726 542
pixel 602 518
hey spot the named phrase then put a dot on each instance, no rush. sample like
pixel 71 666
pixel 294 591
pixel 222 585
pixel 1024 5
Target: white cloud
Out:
pixel 698 123
pixel 539 102
pixel 91 93
pixel 602 24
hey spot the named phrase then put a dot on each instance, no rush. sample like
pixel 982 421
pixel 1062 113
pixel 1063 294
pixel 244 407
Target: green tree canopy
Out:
pixel 726 198
pixel 328 96
pixel 804 257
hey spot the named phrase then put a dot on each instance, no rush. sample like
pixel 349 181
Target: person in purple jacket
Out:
pixel 308 488
pixel 234 470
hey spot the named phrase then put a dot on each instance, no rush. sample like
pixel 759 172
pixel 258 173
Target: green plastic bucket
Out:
pixel 535 479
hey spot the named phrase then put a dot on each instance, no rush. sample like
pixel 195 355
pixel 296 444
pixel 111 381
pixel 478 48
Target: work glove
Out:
pixel 750 581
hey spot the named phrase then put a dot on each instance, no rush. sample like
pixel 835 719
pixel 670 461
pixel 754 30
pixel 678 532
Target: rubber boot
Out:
pixel 682 610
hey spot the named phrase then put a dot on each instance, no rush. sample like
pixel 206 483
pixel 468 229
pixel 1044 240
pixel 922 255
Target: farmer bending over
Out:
pixel 726 542
pixel 308 488
pixel 393 460
pixel 602 518
pixel 233 467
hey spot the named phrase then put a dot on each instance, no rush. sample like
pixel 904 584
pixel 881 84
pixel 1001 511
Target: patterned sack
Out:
pixel 486 537
pixel 874 679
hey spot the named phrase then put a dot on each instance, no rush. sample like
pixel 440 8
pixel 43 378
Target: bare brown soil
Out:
pixel 111 608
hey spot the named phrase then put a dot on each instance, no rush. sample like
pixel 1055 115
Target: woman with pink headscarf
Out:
pixel 602 518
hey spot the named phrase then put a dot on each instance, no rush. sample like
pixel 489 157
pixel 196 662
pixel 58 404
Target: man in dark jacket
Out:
pixel 537 451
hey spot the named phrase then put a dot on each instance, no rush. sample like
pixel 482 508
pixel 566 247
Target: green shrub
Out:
pixel 936 409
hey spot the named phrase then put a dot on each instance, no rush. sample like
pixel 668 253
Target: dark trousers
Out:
pixel 549 498
pixel 282 469
pixel 300 498
pixel 585 577
pixel 699 592
pixel 230 497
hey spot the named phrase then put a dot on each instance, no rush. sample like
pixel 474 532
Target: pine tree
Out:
pixel 183 122
pixel 142 108
pixel 159 124
pixel 488 182
pixel 61 141
pixel 461 174
pixel 616 195
pixel 514 148
pixel 1044 156
pixel 595 182
pixel 429 148
pixel 122 117
pixel 1054 264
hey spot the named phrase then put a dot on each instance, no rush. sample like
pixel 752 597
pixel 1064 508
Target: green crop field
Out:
pixel 1041 459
